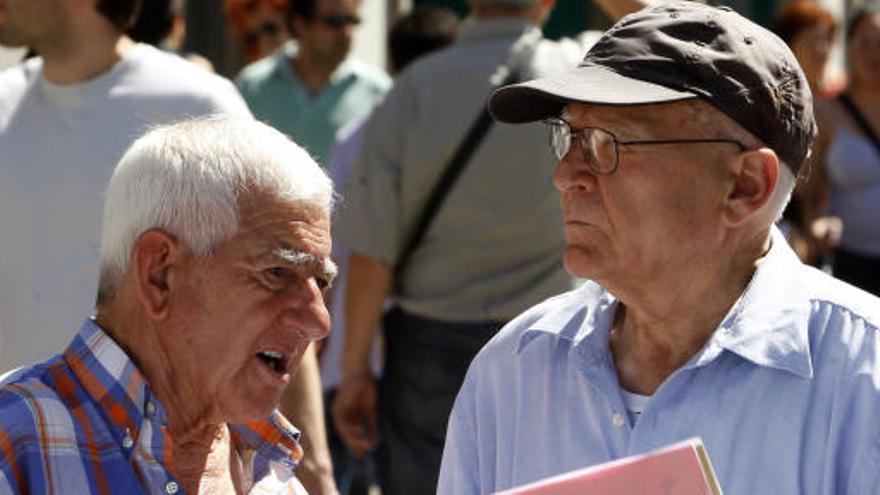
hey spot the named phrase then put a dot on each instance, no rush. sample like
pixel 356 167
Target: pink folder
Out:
pixel 679 469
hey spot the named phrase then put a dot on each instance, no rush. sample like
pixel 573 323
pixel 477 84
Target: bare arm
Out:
pixel 302 403
pixel 354 410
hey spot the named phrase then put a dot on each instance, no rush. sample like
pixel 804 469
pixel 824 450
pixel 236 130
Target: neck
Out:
pixel 201 447
pixel 314 72
pixel 663 322
pixel 82 57
pixel 865 93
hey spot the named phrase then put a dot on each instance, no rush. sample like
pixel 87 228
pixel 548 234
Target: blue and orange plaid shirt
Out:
pixel 87 422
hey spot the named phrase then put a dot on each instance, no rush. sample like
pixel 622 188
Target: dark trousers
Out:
pixel 860 270
pixel 425 366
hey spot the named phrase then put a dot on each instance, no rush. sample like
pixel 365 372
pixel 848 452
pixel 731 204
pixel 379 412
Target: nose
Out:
pixel 305 312
pixel 572 172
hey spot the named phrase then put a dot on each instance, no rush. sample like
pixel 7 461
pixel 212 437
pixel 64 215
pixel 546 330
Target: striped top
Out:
pixel 87 422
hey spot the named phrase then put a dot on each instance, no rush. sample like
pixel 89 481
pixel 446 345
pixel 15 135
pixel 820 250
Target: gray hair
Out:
pixel 189 178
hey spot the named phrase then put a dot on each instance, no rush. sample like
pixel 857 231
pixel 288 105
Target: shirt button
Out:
pixel 127 442
pixel 618 420
pixel 151 408
pixel 171 487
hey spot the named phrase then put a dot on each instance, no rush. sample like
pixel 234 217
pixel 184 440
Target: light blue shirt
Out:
pixel 276 96
pixel 785 394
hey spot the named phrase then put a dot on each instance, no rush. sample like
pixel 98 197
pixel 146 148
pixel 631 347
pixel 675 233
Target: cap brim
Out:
pixel 546 97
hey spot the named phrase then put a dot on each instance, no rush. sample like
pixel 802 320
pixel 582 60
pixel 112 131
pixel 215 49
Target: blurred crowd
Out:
pixel 426 275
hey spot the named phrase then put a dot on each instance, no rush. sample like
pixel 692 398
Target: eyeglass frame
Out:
pixel 266 28
pixel 559 122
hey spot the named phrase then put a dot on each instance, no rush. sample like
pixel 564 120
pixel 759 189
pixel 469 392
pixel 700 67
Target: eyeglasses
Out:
pixel 339 21
pixel 268 28
pixel 599 147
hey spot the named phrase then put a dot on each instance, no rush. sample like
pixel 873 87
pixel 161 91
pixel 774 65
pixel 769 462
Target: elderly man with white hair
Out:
pixel 214 259
pixel 678 139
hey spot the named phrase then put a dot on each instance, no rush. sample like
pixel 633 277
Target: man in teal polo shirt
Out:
pixel 310 89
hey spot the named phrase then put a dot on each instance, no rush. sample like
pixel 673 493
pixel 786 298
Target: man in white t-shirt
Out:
pixel 65 119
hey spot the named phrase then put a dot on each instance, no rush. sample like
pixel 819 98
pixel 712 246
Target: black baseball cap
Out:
pixel 681 51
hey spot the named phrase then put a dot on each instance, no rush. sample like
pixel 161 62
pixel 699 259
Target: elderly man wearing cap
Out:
pixel 679 138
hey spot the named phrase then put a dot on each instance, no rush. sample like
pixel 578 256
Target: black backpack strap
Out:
pixel 462 155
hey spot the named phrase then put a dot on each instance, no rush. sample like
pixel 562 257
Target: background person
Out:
pixel 809 31
pixel 426 29
pixel 847 161
pixel 66 116
pixel 259 26
pixel 214 255
pixel 697 319
pixel 310 89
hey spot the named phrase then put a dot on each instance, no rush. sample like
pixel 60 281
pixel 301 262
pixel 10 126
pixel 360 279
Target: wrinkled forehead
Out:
pixel 682 117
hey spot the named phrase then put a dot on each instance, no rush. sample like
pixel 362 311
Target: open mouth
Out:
pixel 274 360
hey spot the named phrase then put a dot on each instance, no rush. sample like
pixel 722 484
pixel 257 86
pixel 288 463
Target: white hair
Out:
pixel 188 179
pixel 785 183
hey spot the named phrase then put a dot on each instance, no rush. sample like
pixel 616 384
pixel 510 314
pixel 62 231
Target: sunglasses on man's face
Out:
pixel 269 29
pixel 339 21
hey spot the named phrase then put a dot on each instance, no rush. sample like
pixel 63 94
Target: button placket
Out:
pixel 127 440
pixel 171 487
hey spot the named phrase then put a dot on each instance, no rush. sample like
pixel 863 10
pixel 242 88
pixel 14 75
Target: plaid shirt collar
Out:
pixel 112 381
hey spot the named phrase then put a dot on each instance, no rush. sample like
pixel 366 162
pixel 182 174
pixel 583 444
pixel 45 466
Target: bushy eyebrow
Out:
pixel 301 259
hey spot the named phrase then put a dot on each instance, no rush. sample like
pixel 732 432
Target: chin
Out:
pixel 582 262
pixel 253 408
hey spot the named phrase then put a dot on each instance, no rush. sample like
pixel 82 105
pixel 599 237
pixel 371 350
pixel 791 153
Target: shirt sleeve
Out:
pixel 460 468
pixel 228 101
pixel 370 214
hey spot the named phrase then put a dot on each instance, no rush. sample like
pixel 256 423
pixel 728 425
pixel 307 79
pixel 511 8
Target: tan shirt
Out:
pixel 495 246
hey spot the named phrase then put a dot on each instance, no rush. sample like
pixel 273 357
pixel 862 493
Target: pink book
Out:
pixel 679 469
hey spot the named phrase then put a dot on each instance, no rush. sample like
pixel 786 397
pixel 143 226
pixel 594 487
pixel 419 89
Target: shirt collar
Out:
pixel 767 325
pixel 115 384
pixel 287 52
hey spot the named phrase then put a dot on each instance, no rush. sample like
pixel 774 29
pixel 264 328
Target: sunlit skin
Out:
pixel 322 47
pixel 195 326
pixel 629 225
pixel 864 53
pixel 811 47
pixel 674 234
pixel 30 22
pixel 266 43
pixel 251 295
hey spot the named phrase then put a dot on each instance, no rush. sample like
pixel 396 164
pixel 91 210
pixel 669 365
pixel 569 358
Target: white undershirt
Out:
pixel 635 404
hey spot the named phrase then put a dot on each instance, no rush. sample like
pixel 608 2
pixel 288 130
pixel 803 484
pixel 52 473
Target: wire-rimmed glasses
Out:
pixel 599 147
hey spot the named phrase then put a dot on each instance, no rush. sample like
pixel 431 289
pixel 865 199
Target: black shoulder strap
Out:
pixel 860 120
pixel 456 165
pixel 460 158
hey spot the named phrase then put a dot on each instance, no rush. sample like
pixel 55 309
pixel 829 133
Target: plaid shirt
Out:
pixel 87 422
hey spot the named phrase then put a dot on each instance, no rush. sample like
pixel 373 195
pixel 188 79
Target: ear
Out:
pixel 753 177
pixel 154 257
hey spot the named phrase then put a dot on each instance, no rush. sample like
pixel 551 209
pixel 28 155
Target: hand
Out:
pixel 355 414
pixel 826 231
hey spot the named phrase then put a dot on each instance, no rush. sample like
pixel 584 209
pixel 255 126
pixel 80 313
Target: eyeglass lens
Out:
pixel 268 28
pixel 598 147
